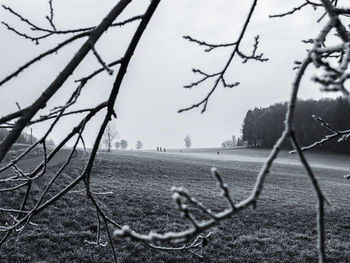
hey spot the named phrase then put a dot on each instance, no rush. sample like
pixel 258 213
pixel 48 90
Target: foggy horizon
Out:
pixel 152 92
pixel 174 131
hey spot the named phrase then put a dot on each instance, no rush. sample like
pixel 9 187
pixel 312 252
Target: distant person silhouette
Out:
pixel 160 149
pixel 217 153
pixel 157 149
pixel 164 150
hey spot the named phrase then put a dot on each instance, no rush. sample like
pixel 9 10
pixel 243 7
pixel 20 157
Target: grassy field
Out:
pixel 281 229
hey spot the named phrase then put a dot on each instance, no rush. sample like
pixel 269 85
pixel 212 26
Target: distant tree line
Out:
pixel 229 143
pixel 109 139
pixel 233 142
pixel 24 138
pixel 263 126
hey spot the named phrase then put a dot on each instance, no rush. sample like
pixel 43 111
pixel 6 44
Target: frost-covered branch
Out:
pixel 321 55
pixel 341 135
pixel 219 77
pixel 25 117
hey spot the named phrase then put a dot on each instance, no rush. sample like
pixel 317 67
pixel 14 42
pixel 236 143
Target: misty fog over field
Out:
pixel 174 131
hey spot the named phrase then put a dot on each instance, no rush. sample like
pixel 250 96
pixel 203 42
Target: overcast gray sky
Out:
pixel 152 90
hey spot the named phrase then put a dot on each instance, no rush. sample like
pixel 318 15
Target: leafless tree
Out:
pixel 27 116
pixel 139 145
pixel 331 58
pixel 234 140
pixel 124 144
pixel 117 145
pixel 188 142
pixel 229 143
pixel 109 135
pixel 50 143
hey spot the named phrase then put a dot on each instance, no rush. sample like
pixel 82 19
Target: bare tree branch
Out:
pixel 220 75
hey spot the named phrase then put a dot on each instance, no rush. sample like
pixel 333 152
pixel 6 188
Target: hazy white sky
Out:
pixel 152 90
